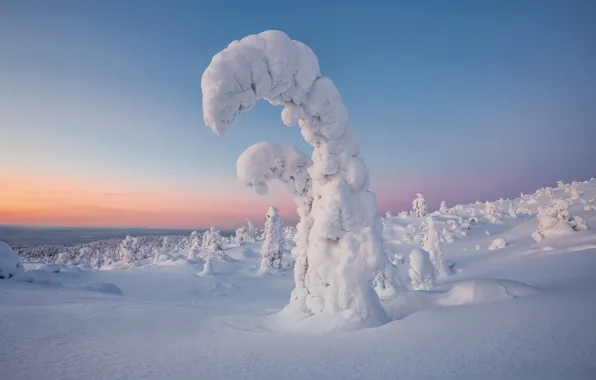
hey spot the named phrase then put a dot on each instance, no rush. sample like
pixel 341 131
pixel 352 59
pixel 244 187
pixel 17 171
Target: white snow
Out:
pixel 498 243
pixel 10 265
pixel 526 312
pixel 339 249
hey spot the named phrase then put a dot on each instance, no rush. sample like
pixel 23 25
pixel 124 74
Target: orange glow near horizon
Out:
pixel 46 201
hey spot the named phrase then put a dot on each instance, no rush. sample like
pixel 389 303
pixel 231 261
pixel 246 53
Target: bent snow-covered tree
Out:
pixel 343 244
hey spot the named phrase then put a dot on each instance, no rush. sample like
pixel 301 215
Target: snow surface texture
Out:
pixel 344 246
pixel 526 311
pixel 10 264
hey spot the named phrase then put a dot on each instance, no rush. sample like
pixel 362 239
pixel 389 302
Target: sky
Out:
pixel 101 121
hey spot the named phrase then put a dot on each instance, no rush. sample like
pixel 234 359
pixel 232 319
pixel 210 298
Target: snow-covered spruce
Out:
pixel 431 244
pixel 195 245
pixel 10 264
pixel 575 192
pixel 422 270
pixel 211 240
pixel 498 243
pixel 443 208
pixel 127 249
pixel 274 242
pixel 555 220
pixel 344 246
pixel 419 205
pixel 492 213
pixel 512 212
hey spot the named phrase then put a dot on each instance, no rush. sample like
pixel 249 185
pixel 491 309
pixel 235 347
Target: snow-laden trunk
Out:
pixel 343 243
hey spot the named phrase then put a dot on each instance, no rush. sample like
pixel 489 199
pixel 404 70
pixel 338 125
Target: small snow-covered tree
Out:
pixel 422 271
pixel 10 264
pixel 575 192
pixel 431 244
pixel 419 205
pixel 388 215
pixel 443 208
pixel 211 240
pixel 195 242
pixel 274 242
pixel 126 250
pixel 548 192
pixel 555 220
pixel 512 212
pixel 492 213
pixel 560 184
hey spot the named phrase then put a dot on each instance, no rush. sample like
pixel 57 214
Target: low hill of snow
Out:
pixel 505 306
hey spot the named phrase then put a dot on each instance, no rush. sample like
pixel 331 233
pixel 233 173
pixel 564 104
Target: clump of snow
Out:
pixel 422 270
pixel 498 243
pixel 54 268
pixel 274 242
pixel 208 267
pixel 344 247
pixel 512 212
pixel 419 205
pixel 555 220
pixel 10 264
pixel 471 292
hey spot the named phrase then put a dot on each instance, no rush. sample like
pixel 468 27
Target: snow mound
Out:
pixel 470 292
pixel 10 265
pixel 103 287
pixel 498 243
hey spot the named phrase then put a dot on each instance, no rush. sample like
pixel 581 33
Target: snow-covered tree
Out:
pixel 431 244
pixel 512 212
pixel 548 192
pixel 575 192
pixel 127 248
pixel 10 264
pixel 492 213
pixel 343 251
pixel 555 220
pixel 560 184
pixel 443 208
pixel 195 242
pixel 419 205
pixel 211 240
pixel 274 242
pixel 388 215
pixel 422 271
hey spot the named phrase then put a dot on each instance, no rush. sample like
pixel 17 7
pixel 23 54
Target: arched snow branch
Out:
pixel 344 242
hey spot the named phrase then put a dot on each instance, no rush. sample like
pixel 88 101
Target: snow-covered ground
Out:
pixel 525 311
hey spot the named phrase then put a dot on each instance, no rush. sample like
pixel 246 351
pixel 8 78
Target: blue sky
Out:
pixel 459 100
